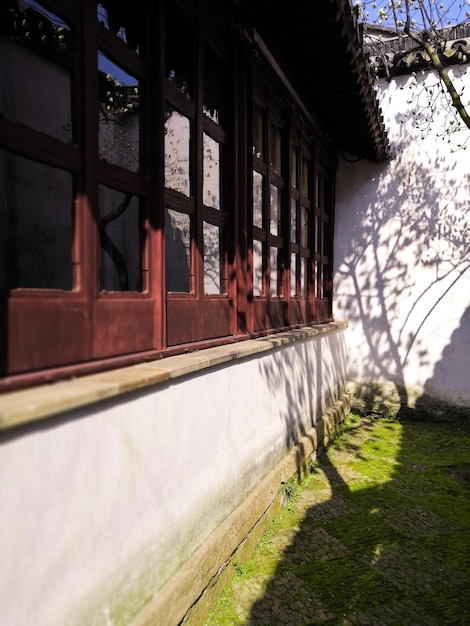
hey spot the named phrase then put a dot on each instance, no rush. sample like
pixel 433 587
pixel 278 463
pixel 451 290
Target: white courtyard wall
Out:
pixel 402 252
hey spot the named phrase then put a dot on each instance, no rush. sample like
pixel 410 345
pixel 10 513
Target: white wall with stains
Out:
pixel 101 506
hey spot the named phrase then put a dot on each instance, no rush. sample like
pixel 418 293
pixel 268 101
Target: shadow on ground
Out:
pixel 378 534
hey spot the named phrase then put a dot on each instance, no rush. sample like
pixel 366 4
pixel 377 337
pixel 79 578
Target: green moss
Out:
pixel 378 533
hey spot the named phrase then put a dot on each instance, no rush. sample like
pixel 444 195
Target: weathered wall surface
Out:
pixel 402 251
pixel 102 506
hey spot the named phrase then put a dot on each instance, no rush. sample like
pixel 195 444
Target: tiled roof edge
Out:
pixel 392 59
pixel 352 33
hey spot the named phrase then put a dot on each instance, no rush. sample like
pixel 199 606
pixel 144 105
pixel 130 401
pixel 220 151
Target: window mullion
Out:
pixel 89 128
pixel 198 161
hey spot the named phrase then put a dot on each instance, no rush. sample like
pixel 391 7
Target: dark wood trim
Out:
pixel 125 327
pixel 34 145
pixel 121 54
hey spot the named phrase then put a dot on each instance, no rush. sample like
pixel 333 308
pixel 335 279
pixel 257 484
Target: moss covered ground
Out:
pixel 378 533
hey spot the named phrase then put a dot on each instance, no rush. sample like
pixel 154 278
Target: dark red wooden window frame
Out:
pixel 196 316
pixel 50 334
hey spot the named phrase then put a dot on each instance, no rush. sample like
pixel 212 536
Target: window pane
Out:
pixel 276 149
pixel 213 87
pixel 36 216
pixel 273 273
pixel 293 219
pixel 126 20
pixel 257 199
pixel 303 277
pixel 293 274
pixel 36 52
pixel 258 132
pixel 179 50
pixel 177 151
pixel 119 134
pixel 318 233
pixel 121 235
pixel 212 259
pixel 211 172
pixel 257 268
pixel 177 251
pixel 304 226
pixel 275 210
pixel 293 171
pixel 306 178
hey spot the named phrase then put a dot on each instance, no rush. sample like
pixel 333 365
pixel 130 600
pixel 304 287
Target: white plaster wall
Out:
pixel 402 252
pixel 100 508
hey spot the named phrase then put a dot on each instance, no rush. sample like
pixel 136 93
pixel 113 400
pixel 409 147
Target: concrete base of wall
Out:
pixel 190 595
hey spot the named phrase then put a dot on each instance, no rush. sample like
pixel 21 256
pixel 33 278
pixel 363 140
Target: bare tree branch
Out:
pixel 430 38
pixel 431 51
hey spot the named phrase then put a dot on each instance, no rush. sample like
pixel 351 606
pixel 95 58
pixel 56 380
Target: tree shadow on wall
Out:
pixel 401 259
pixel 306 380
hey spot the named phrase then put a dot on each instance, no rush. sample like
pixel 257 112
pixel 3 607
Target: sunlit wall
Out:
pixel 402 252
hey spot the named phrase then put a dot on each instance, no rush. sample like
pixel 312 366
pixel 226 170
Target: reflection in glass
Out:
pixel 211 172
pixel 293 219
pixel 303 277
pixel 318 233
pixel 276 149
pixel 179 50
pixel 318 191
pixel 121 241
pixel 119 131
pixel 306 178
pixel 213 87
pixel 177 251
pixel 212 259
pixel 257 199
pixel 125 20
pixel 36 216
pixel 304 226
pixel 275 205
pixel 177 150
pixel 273 275
pixel 36 61
pixel 293 168
pixel 258 132
pixel 257 268
pixel 293 274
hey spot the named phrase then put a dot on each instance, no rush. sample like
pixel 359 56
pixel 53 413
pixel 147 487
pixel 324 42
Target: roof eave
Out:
pixel 320 48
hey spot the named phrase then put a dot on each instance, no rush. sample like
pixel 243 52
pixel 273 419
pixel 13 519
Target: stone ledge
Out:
pixel 38 403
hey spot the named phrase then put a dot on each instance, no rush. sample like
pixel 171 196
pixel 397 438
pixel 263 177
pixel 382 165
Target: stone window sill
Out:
pixel 39 403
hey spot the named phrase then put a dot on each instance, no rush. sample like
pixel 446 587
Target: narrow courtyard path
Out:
pixel 377 534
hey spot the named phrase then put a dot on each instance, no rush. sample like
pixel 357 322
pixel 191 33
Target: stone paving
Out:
pixel 377 534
